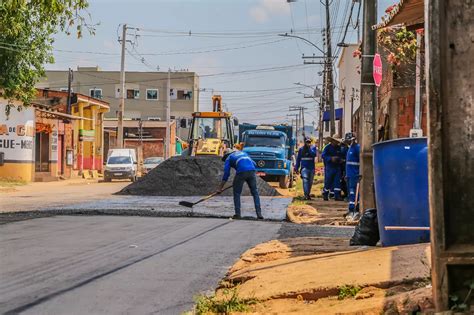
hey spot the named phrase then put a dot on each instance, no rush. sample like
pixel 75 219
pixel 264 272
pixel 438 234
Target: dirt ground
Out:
pixel 34 196
pixel 290 247
pixel 307 276
pixel 316 211
pixel 369 301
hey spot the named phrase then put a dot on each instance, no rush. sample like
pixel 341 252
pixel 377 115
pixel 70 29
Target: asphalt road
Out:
pixel 118 265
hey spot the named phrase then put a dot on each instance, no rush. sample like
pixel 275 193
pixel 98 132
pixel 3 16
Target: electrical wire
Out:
pixel 214 50
pixel 306 18
pixel 188 76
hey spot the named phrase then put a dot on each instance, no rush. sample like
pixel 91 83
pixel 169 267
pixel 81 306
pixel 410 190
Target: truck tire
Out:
pixel 285 181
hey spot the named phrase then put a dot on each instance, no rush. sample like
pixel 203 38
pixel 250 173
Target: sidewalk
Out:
pixel 310 273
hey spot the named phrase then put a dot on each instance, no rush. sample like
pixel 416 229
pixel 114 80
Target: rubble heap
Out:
pixel 189 176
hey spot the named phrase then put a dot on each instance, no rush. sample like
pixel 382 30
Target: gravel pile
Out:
pixel 188 176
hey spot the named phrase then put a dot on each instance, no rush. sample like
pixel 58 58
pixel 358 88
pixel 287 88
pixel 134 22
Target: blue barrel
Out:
pixel 401 189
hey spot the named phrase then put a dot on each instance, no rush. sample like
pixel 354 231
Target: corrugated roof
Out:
pixel 406 12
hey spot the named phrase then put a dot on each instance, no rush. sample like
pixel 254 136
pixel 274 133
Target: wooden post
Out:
pixel 450 89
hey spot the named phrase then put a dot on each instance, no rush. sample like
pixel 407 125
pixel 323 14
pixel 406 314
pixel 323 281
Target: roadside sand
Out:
pixel 305 276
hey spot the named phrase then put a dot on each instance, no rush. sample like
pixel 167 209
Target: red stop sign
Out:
pixel 377 73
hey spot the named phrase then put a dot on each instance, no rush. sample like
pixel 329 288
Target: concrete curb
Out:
pixel 26 215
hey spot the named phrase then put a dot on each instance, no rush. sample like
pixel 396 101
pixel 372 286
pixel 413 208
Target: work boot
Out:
pixel 236 217
pixel 338 198
pixel 259 216
pixel 325 197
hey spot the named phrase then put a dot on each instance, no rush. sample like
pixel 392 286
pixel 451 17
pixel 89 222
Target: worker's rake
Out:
pixel 191 204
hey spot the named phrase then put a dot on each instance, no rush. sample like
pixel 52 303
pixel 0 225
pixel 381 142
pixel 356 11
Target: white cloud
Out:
pixel 268 8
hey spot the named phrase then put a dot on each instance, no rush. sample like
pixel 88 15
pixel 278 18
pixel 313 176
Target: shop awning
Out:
pixel 406 12
pixel 52 114
pixel 338 116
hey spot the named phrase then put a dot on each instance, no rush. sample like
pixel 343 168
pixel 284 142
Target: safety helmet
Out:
pixel 227 152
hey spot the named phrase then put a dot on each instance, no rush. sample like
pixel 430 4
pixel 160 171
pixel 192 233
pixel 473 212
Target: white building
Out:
pixel 349 88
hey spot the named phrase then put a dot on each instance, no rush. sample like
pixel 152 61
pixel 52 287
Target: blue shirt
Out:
pixel 240 161
pixel 330 151
pixel 352 160
pixel 306 159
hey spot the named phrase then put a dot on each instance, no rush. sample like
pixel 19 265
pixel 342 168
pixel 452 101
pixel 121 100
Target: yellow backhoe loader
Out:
pixel 211 132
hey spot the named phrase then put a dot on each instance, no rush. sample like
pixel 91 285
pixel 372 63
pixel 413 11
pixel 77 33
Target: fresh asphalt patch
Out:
pixel 273 208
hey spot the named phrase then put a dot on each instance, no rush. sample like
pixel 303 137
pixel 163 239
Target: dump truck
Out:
pixel 211 132
pixel 272 148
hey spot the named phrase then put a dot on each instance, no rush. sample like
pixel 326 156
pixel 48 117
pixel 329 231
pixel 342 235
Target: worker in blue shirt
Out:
pixel 245 172
pixel 352 173
pixel 332 171
pixel 344 148
pixel 305 161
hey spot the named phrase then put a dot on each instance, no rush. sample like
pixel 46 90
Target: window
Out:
pixel 64 89
pixel 185 95
pixel 257 141
pixel 181 94
pixel 95 93
pixel 152 94
pixel 119 160
pixel 210 128
pixel 133 94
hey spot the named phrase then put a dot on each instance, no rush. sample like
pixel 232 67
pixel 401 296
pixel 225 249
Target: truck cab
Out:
pixel 271 147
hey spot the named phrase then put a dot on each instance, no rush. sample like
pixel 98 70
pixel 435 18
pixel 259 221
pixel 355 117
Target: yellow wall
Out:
pixel 21 171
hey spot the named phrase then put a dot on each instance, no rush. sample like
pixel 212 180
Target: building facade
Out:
pixel 349 89
pixel 45 142
pixel 145 92
pixel 148 137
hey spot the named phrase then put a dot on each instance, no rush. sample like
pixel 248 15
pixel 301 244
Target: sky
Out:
pixel 233 45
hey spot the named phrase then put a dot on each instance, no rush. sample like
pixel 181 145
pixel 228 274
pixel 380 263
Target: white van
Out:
pixel 121 164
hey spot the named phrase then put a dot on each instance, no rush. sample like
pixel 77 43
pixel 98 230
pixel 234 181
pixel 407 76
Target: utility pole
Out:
pixel 299 119
pixel 70 77
pixel 122 87
pixel 329 71
pixel 302 120
pixel 368 105
pixel 352 109
pixel 450 97
pixel 168 113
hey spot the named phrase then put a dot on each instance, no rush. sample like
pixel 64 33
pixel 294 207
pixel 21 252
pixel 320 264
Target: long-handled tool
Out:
pixel 191 204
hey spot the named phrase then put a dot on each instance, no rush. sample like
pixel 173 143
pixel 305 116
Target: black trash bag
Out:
pixel 367 231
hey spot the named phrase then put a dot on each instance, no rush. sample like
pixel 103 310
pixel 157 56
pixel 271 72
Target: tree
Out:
pixel 26 37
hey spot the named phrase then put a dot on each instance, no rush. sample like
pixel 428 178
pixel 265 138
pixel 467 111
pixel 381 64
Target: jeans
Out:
pixel 308 176
pixel 352 184
pixel 332 181
pixel 251 178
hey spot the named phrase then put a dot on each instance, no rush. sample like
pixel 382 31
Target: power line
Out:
pixel 271 69
pixel 213 50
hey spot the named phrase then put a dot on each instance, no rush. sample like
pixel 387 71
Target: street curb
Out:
pixel 116 212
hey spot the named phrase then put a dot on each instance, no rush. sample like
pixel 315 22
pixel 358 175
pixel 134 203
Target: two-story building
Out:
pixel 145 92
